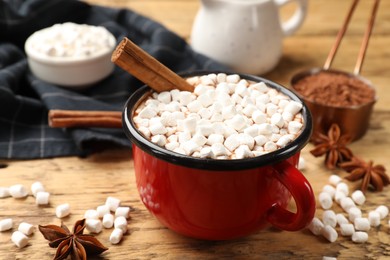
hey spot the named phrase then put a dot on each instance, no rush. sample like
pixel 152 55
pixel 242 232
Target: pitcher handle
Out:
pixel 303 195
pixel 291 25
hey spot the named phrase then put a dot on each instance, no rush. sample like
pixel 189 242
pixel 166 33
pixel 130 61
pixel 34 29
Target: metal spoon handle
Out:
pixel 340 35
pixel 367 34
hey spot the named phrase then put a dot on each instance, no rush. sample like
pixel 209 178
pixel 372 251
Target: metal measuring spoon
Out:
pixel 352 120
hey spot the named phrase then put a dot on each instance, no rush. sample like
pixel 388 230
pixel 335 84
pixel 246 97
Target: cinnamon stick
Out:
pixel 76 118
pixel 143 66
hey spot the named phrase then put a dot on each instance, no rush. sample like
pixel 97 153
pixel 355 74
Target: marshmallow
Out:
pixel 147 112
pixel 233 78
pixel 116 236
pixel 362 224
pixel 19 239
pixel 102 210
pixel 383 211
pixel 259 117
pixel 219 149
pixel 160 140
pixel 354 213
pixel 325 200
pixel 113 203
pixel 42 198
pixel 108 220
pixel 18 191
pixel 121 223
pixel 4 192
pixel 283 141
pixel 360 237
pixel 341 219
pixel 330 233
pixel 347 203
pixel 329 258
pixel 185 97
pixel 164 97
pixel 122 211
pixel 94 225
pixel 157 129
pixel 243 151
pixel 270 146
pixel 347 229
pixel 277 120
pixel 265 129
pixel 338 196
pixel 62 210
pixel 342 187
pixel 26 228
pixel 237 122
pixel 294 127
pixel 6 224
pixel 358 197
pixel 91 214
pixel 194 106
pixel 329 218
pixel 301 163
pixel 334 179
pixel 36 187
pixel 374 218
pixel 316 226
pixel 293 107
pixel 215 138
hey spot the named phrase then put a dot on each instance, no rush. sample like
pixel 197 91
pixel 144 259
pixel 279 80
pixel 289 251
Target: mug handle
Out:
pixel 303 195
pixel 291 25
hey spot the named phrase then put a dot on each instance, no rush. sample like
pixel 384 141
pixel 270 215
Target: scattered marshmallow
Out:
pixel 301 163
pixel 36 187
pixel 42 198
pixel 316 226
pixel 19 239
pixel 334 179
pixel 121 223
pixel 108 220
pixel 6 224
pixel 354 213
pixel 362 224
pixel 341 219
pixel 4 192
pixel 116 236
pixel 359 237
pixel 383 211
pixel 329 258
pixel 330 233
pixel 347 203
pixel 18 191
pixel 102 210
pixel 26 228
pixel 347 229
pixel 374 218
pixel 338 196
pixel 329 189
pixel 358 197
pixel 113 203
pixel 329 218
pixel 122 211
pixel 62 210
pixel 342 187
pixel 94 225
pixel 91 214
pixel 325 200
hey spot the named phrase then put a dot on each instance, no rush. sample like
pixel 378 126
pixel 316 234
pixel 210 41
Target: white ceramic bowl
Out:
pixel 72 72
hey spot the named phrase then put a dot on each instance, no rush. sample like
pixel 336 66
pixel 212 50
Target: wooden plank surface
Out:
pixel 86 182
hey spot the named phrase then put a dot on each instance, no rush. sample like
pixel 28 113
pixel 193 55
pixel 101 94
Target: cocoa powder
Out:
pixel 335 89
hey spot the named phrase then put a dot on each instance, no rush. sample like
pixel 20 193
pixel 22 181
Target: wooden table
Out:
pixel 86 182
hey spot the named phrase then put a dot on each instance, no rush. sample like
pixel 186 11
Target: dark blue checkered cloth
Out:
pixel 25 100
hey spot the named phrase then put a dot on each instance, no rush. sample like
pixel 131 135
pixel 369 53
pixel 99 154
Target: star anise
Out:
pixel 76 244
pixel 370 173
pixel 333 145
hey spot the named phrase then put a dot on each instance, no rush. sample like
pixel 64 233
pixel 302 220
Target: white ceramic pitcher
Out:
pixel 245 35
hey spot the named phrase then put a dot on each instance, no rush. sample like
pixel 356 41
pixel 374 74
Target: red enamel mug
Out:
pixel 221 199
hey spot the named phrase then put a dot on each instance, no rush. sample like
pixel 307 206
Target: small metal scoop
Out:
pixel 352 120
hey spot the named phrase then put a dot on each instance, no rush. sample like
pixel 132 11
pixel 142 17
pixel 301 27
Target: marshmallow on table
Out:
pixel 354 213
pixel 18 191
pixel 316 226
pixel 358 197
pixel 108 220
pixel 347 229
pixel 116 236
pixel 42 198
pixel 374 218
pixel 383 211
pixel 62 210
pixel 19 239
pixel 329 258
pixel 36 187
pixel 6 224
pixel 347 203
pixel 338 196
pixel 121 223
pixel 325 200
pixel 362 224
pixel 334 179
pixel 343 187
pixel 26 228
pixel 113 203
pixel 329 218
pixel 341 219
pixel 94 225
pixel 91 214
pixel 4 192
pixel 122 211
pixel 329 189
pixel 102 210
pixel 330 233
pixel 359 237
